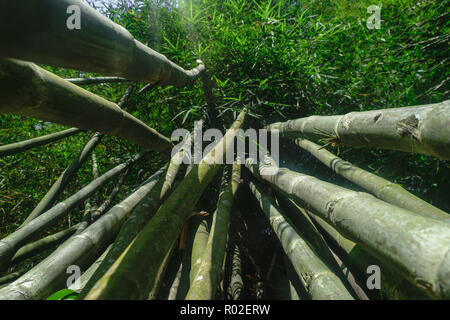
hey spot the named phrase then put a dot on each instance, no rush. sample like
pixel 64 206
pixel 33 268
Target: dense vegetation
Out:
pixel 282 59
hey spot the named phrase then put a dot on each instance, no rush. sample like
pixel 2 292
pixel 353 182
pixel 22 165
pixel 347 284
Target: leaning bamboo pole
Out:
pixel 38 246
pixel 415 246
pixel 381 188
pixel 139 265
pixel 355 258
pixel 11 243
pixel 66 176
pixel 81 249
pixel 28 90
pixel 96 80
pixel 236 285
pixel 100 45
pixel 421 129
pixel 84 278
pixel 17 147
pixel 319 280
pixel 210 271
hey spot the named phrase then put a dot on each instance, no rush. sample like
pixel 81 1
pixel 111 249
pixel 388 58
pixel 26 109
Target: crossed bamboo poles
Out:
pixel 146 225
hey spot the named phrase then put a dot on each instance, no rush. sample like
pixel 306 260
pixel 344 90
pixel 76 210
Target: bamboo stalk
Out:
pixel 164 180
pixel 319 280
pixel 381 188
pixel 199 243
pixel 393 286
pixel 137 219
pixel 28 90
pixel 81 250
pixel 84 278
pixel 22 146
pixel 236 284
pixel 415 246
pixel 10 244
pixel 51 241
pixel 420 129
pixel 92 214
pixel 66 176
pixel 210 271
pixel 96 80
pixel 138 266
pixel 99 46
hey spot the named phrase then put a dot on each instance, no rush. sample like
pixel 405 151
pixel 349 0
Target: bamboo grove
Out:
pixel 328 234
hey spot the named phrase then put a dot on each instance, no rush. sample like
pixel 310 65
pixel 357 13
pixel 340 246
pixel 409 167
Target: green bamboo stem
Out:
pixel 84 278
pixel 393 286
pixel 420 129
pixel 92 214
pixel 22 146
pixel 415 246
pixel 28 90
pixel 319 280
pixel 99 46
pixel 305 225
pixel 10 244
pixel 11 277
pixel 199 243
pixel 51 241
pixel 138 266
pixel 163 183
pixel 381 188
pixel 210 271
pixel 236 283
pixel 96 80
pixel 175 284
pixel 136 221
pixel 50 275
pixel 66 176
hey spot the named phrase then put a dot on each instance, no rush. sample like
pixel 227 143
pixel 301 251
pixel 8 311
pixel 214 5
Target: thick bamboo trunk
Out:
pixel 22 146
pixel 84 278
pixel 66 176
pixel 422 129
pixel 381 188
pixel 28 90
pixel 319 280
pixel 415 246
pixel 139 265
pixel 10 244
pixel 393 285
pixel 51 241
pixel 96 80
pixel 50 275
pixel 300 219
pixel 100 45
pixel 210 271
pixel 199 242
